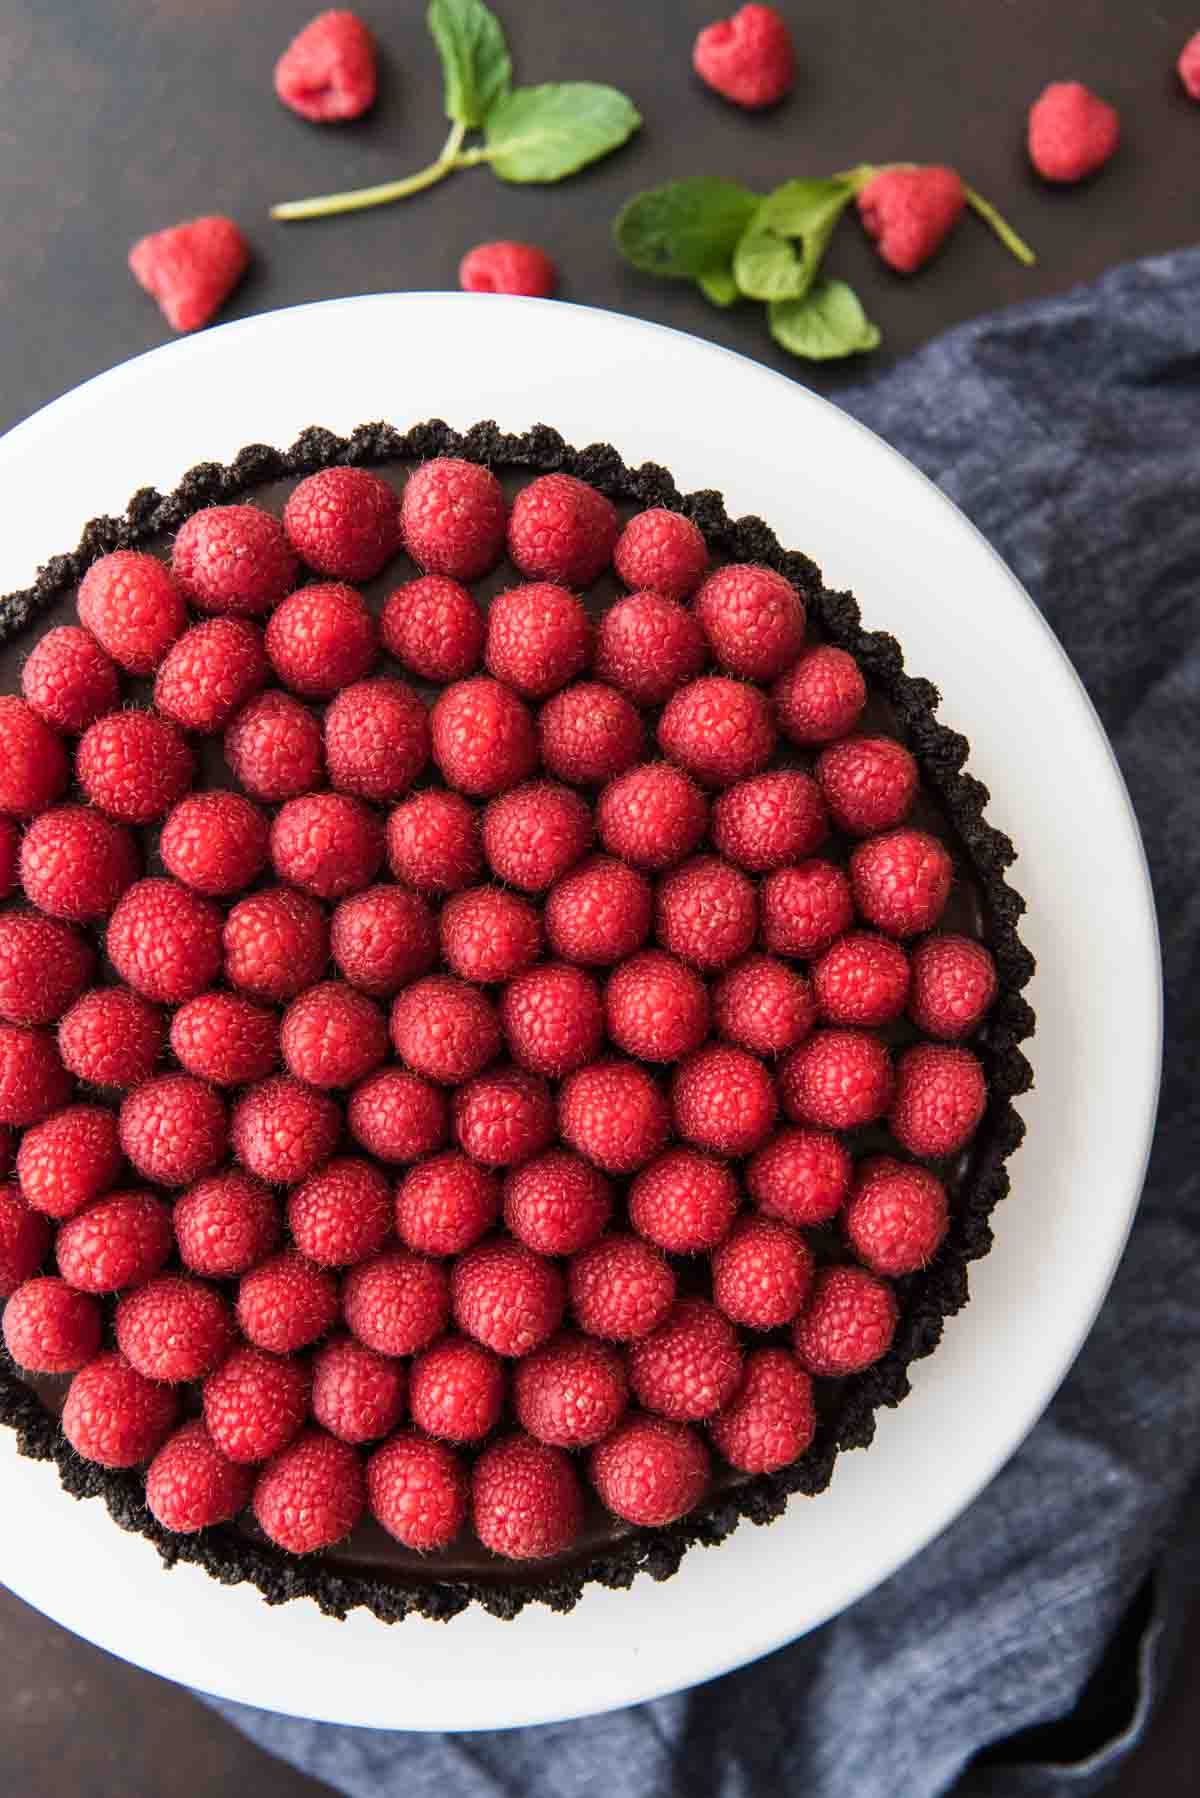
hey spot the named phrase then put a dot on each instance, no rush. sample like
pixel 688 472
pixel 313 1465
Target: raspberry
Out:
pixel 33 763
pixel 720 730
pixel 215 843
pixel 648 646
pixel 44 966
pixel 165 941
pixel 114 1415
pixel 553 1018
pixel 285 1303
pixel 483 737
pixel 652 816
pixel 397 1116
pixel 327 843
pixel 526 1499
pixel 445 1204
pixel 561 529
pixel 213 669
pixel 134 766
pixel 456 1389
pixel 620 1288
pixel 910 212
pixel 111 1037
pixel 174 1328
pixel 821 697
pixel 282 1131
pixel 869 783
pixel 800 1177
pixel 707 913
pixel 344 522
pixel 69 681
pixel 538 637
pixel 599 913
pixel 376 739
pixel 503 1117
pixel 341 1214
pixel 255 1404
pixel 533 834
pixel 953 985
pixel 761 1273
pixel 690 1366
pixel 276 943
pixel 273 748
pixel 662 551
pixel 233 560
pixel 433 626
pixel 770 820
pixel 49 1327
pixel 433 842
pixel 312 1493
pixel 24 1239
pixel 191 268
pixel 383 938
pixel 837 1079
pixel 333 1035
pixel 589 733
pixel 225 1225
pixel 327 72
pixel 69 1160
pixel 33 1081
pixel 571 1392
pixel 445 1029
pixel 683 1202
pixel 1072 132
pixel 76 863
pixel 861 979
pixel 771 1419
pixel 507 267
pixel 191 1485
pixel 656 1008
pixel 321 639
pixel 10 842
pixel 723 1100
pixel 454 518
pixel 650 1471
pixel 506 1297
pixel 173 1129
pixel 747 58
pixel 896 1217
pixel 134 609
pixel 557 1203
pixel 225 1038
pixel 396 1303
pixel 763 1005
pixel 121 1240
pixel 939 1099
pixel 614 1113
pixel 848 1323
pixel 418 1491
pixel 488 934
pixel 753 618
pixel 901 881
pixel 1188 66
pixel 804 908
pixel 357 1395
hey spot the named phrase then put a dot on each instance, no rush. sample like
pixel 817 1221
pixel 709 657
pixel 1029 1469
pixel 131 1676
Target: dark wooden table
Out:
pixel 117 118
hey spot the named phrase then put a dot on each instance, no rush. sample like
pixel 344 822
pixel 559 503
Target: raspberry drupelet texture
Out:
pixel 173 1129
pixel 869 783
pixel 488 934
pixel 939 1100
pixel 723 1100
pixel 684 1202
pixel 847 1324
pixel 320 639
pixel 534 833
pixel 49 1327
pixel 120 1240
pixel 33 1081
pixel 273 748
pixel 557 1203
pixel 327 72
pixel 837 1080
pixel 333 1035
pixel 418 1491
pixel 134 766
pixel 538 638
pixel 396 1303
pixel 802 1176
pixel 649 646
pixel 651 816
pixel 953 986
pixel 311 1494
pixel 560 529
pixel 434 628
pixel 662 551
pixel 24 1239
pixel 720 730
pixel 901 881
pixel 165 941
pixel 44 966
pixel 191 1485
pixel 342 1213
pixel 383 938
pixel 753 618
pixel 276 943
pixel 503 1117
pixel 620 1288
pixel 456 1389
pixel 615 1114
pixel 1072 132
pixel 454 518
pixel 328 844
pixel 553 1018
pixel 706 913
pixel 571 1392
pixel 599 913
pixel 69 680
pixel 75 863
pixel 690 1366
pixel 589 733
pixel 526 1499
pixel 805 908
pixel 433 842
pixel 174 1328
pixel 282 1131
pixel 445 1029
pixel 656 1008
pixel 215 843
pixel 214 669
pixel 225 1038
pixel 747 58
pixel 69 1160
pixel 861 979
pixel 190 268
pixel 770 820
pixel 111 1037
pixel 114 1415
pixel 763 1005
pixel 761 1273
pixel 133 607
pixel 821 697
pixel 344 522
pixel 896 1217
pixel 396 1116
pixel 445 1204
pixel 376 739
pixel 507 267
pixel 33 763
pixel 650 1471
pixel 285 1303
pixel 506 1297
pixel 234 560
pixel 909 212
pixel 255 1403
pixel 357 1395
pixel 483 737
pixel 226 1224
pixel 770 1419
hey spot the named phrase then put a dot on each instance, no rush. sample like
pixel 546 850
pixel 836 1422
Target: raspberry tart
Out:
pixel 510 1011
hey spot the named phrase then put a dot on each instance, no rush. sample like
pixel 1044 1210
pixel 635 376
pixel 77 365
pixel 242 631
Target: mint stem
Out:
pixel 357 199
pixel 1001 227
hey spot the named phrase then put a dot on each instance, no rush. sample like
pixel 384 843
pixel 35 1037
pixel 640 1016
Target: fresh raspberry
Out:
pixel 255 1403
pixel 191 268
pixel 571 1392
pixel 456 1389
pixel 804 908
pixel 44 966
pixel 216 843
pixel 801 1176
pixel 134 766
pixel 723 1100
pixel 488 934
pixel 33 763
pixel 821 697
pixel 861 979
pixel 49 1327
pixel 747 58
pixel 376 739
pixel 656 1008
pixel 226 1039
pixel 953 985
pixel 690 1366
pixel 273 748
pixel 445 1029
pixel 225 1225
pixel 454 518
pixel 557 1203
pixel 503 1117
pixel 838 1079
pixel 753 618
pixel 896 1217
pixel 614 1113
pixel 396 1303
pixel 910 212
pixel 114 1415
pixel 1072 132
pixel 433 626
pixel 553 1018
pixel 869 783
pixel 483 737
pixel 333 1035
pixel 940 1097
pixel 121 1240
pixel 848 1323
pixel 684 1202
pixel 761 1273
pixel 327 72
pixel 329 844
pixel 321 639
pixel 276 943
pixel 76 863
pixel 770 820
pixel 173 1129
pixel 648 646
pixel 418 1491
pixel 24 1239
pixel 560 529
pixel 383 938
pixel 286 1302
pixel 526 1499
pixel 10 856
pixel 33 1081
pixel 357 1395
pixel 345 523
pixel 507 267
pixel 506 1297
pixel 661 551
pixel 69 680
pixel 111 1037
pixel 341 1214
pixel 620 1288
pixel 69 1160
pixel 233 560
pixel 901 881
pixel 397 1116
pixel 133 607
pixel 652 816
pixel 283 1131
pixel 433 842
pixel 212 670
pixel 165 941
pixel 599 913
pixel 174 1328
pixel 763 1005
pixel 589 733
pixel 445 1204
pixel 534 833
pixel 538 637
pixel 312 1493
pixel 649 1471
pixel 720 730
pixel 1188 66
pixel 771 1419
pixel 707 913
pixel 191 1485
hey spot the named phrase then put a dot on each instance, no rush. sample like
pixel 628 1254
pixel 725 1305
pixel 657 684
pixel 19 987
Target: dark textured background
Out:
pixel 118 117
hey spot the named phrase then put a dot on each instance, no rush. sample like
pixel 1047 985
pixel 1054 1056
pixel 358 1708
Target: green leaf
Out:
pixel 766 266
pixel 544 133
pixel 827 322
pixel 685 229
pixel 475 59
pixel 719 286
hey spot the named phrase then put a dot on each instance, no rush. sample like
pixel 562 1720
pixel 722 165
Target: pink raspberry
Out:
pixel 114 1415
pixel 571 1392
pixel 801 1176
pixel 690 1366
pixel 560 529
pixel 445 1204
pixel 910 212
pixel 397 1116
pixel 191 1485
pixel 763 1005
pixel 76 863
pixel 225 1225
pixel 483 737
pixel 848 1323
pixel 49 1327
pixel 897 1216
pixel 69 680
pixel 533 834
pixel 320 639
pixel 761 1273
pixel 234 560
pixel 649 646
pixel 901 881
pixel 454 518
pixel 869 783
pixel 418 1491
pixel 226 1039
pixel 838 1079
pixel 33 1081
pixel 489 934
pixel 652 816
pixel 506 267
pixel 538 637
pixel 216 843
pixel 770 820
pixel 276 943
pixel 656 1007
pixel 433 842
pixel 344 522
pixel 255 1403
pixel 33 763
pixel 10 847
pixel 445 1029
pixel 526 1499
pixel 804 908
pixel 506 1297
pixel 111 1037
pixel 24 1239
pixel 44 966
pixel 503 1117
pixel 552 1018
pixel 747 58
pixel 174 1328
pixel 434 628
pixel 211 671
pixel 707 913
pixel 771 1419
pixel 1072 132
pixel 282 1131
pixel 589 733
pixel 311 1495
pixel 396 1303
pixel 328 844
pixel 662 551
pixel 341 1214
pixel 333 1035
pixel 173 1129
pixel 684 1202
pixel 383 938
pixel 821 697
pixel 273 748
pixel 953 985
pixel 861 979
pixel 557 1203
pixel 134 766
pixel 720 730
pixel 723 1100
pixel 620 1288
pixel 285 1303
pixel 120 1240
pixel 649 1471
pixel 69 1160
pixel 191 268
pixel 1188 66
pixel 614 1113
pixel 357 1395
pixel 327 72
pixel 133 608
pixel 940 1097
pixel 165 941
pixel 753 618
pixel 376 739
pixel 599 913
pixel 456 1389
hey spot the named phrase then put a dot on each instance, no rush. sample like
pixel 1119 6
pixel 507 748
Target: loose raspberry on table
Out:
pixel 489 934
pixel 538 638
pixel 720 730
pixel 114 1415
pixel 226 1224
pixel 620 1288
pixel 133 607
pixel 649 1471
pixel 44 966
pixel 76 863
pixel 910 212
pixel 526 1499
pixel 763 1005
pixel 283 1131
pixel 311 1494
pixel 418 1491
pixel 191 268
pixel 69 1160
pixel 589 733
pixel 120 1240
pixel 684 1202
pixel 445 1204
pixel 662 551
pixel 557 1203
pixel 255 1403
pixel 651 816
pixel 174 1328
pixel 869 783
pixel 165 941
pixel 376 739
pixel 1188 66
pixel 24 1239
pixel 434 628
pixel 396 1303
pixel 134 765
pixel 940 1097
pixel 454 518
pixel 357 1395
pixel 507 267
pixel 761 1273
pixel 342 1213
pixel 344 522
pixel 503 1117
pixel 233 560
pixel 805 908
pixel 48 1326
pixel 861 979
pixel 10 856
pixel 320 639
pixel 571 1392
pixel 506 1297
pixel 433 842
pixel 690 1366
pixel 483 737
pixel 707 913
pixel 561 529
pixel 191 1485
pixel 821 697
pixel 216 843
pixel 649 646
pixel 748 58
pixel 333 1035
pixel 802 1176
pixel 456 1389
pixel 837 1080
pixel 327 72
pixel 211 671
pixel 901 881
pixel 273 748
pixel 553 1018
pixel 397 1116
pixel 953 985
pixel 276 943
pixel 33 1081
pixel 615 1114
pixel 534 833
pixel 173 1129
pixel 656 1008
pixel 723 1100
pixel 770 820
pixel 111 1037
pixel 847 1324
pixel 33 763
pixel 599 913
pixel 1072 132
pixel 286 1302
pixel 328 844
pixel 770 1419
pixel 69 680
pixel 445 1029
pixel 226 1038
pixel 897 1216
pixel 753 618
pixel 383 938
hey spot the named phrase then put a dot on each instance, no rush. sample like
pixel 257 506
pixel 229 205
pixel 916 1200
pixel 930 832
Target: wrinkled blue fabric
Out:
pixel 1068 431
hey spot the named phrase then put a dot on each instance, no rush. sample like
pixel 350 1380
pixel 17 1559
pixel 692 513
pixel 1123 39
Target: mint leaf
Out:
pixel 687 228
pixel 827 322
pixel 475 59
pixel 766 266
pixel 544 133
pixel 719 286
